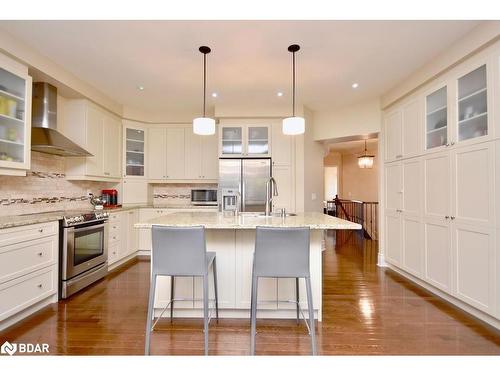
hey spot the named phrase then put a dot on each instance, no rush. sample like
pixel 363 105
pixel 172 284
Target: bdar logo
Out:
pixel 8 348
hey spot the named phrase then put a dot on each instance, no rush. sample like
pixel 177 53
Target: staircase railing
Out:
pixel 363 213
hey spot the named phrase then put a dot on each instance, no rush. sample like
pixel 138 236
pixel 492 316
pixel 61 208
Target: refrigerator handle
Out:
pixel 242 193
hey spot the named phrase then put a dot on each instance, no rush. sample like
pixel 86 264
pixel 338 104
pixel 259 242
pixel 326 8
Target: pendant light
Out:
pixel 204 125
pixel 293 125
pixel 365 161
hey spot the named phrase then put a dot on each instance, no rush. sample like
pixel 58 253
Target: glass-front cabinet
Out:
pixel 244 140
pixel 15 117
pixel 134 152
pixel 436 118
pixel 472 108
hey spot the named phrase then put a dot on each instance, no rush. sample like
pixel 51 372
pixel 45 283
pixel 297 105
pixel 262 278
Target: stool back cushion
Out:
pixel 178 251
pixel 282 252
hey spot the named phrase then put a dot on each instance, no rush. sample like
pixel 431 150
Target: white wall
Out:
pixel 313 167
pixel 359 119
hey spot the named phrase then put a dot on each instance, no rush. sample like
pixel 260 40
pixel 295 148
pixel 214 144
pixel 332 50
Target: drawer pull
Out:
pixel 40 254
pixel 40 285
pixel 40 230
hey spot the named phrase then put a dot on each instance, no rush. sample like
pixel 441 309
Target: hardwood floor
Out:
pixel 367 310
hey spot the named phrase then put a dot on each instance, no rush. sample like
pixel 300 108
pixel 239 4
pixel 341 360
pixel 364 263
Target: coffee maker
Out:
pixel 110 198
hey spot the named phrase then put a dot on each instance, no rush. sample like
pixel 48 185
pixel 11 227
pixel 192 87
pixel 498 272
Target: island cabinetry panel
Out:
pixel 267 287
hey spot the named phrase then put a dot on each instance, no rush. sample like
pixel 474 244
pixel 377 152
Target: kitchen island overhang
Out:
pixel 233 239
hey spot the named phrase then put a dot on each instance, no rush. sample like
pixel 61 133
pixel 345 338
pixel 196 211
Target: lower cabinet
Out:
pixel 393 249
pixel 122 236
pixel 437 248
pixel 28 270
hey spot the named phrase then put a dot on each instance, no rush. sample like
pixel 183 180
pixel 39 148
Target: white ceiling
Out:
pixel 249 62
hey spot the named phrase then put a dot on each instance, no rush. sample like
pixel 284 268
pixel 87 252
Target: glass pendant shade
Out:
pixel 365 161
pixel 294 125
pixel 204 126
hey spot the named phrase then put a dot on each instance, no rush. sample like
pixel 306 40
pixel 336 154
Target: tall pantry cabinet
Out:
pixel 441 180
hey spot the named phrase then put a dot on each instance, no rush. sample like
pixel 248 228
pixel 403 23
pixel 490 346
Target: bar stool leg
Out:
pixel 311 315
pixel 172 288
pixel 149 323
pixel 205 310
pixel 214 270
pixel 297 298
pixel 253 313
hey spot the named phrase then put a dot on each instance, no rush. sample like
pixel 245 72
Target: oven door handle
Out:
pixel 77 230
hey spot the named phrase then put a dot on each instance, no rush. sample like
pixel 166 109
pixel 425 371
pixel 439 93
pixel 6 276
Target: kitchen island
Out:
pixel 233 239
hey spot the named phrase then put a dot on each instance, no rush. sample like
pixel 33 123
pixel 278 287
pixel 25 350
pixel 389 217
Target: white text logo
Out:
pixel 10 349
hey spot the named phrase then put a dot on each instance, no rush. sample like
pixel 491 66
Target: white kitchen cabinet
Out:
pixel 282 150
pixel 176 165
pixel 394 187
pixel 412 244
pixel 129 218
pixel 473 99
pixel 437 248
pixel 135 191
pixel 175 153
pixel 436 118
pixel 28 270
pixel 245 140
pixel 112 136
pixel 412 186
pixel 393 124
pixel 412 128
pixel 393 243
pixel 474 265
pixel 157 153
pixel 135 146
pixel 473 175
pixel 437 185
pixel 98 132
pixel 15 117
pixel 286 188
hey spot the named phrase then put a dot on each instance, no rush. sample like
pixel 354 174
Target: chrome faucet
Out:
pixel 271 183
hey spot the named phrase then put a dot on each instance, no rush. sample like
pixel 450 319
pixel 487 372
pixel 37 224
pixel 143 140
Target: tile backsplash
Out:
pixel 45 188
pixel 176 194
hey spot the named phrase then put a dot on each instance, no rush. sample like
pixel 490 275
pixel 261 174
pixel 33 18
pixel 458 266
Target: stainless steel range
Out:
pixel 84 250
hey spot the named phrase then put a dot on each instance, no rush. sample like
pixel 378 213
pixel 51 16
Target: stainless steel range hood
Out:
pixel 44 135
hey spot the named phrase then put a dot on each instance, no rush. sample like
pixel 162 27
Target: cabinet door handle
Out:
pixel 452 143
pixel 40 254
pixel 40 230
pixel 452 217
pixel 40 286
pixel 446 217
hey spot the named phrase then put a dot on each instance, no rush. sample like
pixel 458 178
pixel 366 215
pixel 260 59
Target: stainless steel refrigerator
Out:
pixel 249 177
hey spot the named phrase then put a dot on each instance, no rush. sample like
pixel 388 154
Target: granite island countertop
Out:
pixel 216 220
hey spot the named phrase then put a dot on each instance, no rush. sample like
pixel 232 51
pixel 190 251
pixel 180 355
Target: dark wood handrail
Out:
pixel 363 213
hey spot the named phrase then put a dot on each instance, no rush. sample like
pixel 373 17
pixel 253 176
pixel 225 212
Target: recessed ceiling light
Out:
pixel 355 85
pixel 279 94
pixel 141 88
pixel 214 95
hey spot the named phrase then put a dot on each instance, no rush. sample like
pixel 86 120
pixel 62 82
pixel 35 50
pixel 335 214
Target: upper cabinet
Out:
pixel 15 117
pixel 245 140
pixel 175 153
pixel 98 132
pixel 472 105
pixel 134 150
pixel 436 118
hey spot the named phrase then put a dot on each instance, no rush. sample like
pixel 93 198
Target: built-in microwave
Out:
pixel 204 197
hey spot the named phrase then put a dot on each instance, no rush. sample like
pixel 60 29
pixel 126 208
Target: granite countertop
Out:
pixel 216 220
pixel 19 220
pixel 44 217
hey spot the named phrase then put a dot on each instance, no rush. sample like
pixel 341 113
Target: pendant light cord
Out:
pixel 293 84
pixel 204 81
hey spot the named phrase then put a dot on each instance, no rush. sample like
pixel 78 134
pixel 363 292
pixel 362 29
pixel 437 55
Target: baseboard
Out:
pixel 27 312
pixel 484 317
pixel 381 260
